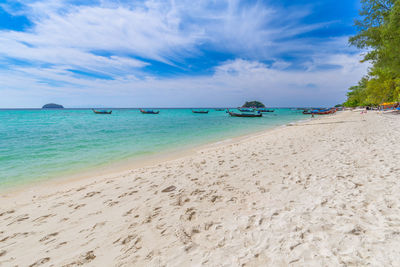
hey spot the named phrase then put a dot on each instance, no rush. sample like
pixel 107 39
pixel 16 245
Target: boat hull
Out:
pixel 102 112
pixel 245 115
pixel 149 112
pixel 325 112
pixel 200 112
pixel 246 109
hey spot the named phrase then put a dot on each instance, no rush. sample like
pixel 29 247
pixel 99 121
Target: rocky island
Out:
pixel 52 105
pixel 253 104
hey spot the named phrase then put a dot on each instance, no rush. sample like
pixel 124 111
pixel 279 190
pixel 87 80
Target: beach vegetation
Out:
pixel 379 34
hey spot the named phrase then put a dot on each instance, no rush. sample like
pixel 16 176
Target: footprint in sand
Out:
pixel 7 212
pixel 168 189
pixel 80 189
pixel 181 200
pixel 19 219
pixel 61 244
pixel 40 262
pixel 215 198
pixel 128 239
pixel 113 203
pixel 91 194
pixel 98 225
pixel 129 212
pixel 83 259
pixel 42 218
pixel 79 206
pixel 48 237
pixel 189 214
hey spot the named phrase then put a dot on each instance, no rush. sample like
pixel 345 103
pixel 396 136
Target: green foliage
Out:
pixel 253 104
pixel 379 32
pixel 356 94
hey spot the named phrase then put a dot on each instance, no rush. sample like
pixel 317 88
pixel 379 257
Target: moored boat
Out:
pixel 219 109
pixel 102 111
pixel 320 111
pixel 149 111
pixel 246 109
pixel 246 115
pixel 265 110
pixel 388 105
pixel 200 111
pixel 326 112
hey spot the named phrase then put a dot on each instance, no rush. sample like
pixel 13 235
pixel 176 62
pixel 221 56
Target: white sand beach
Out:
pixel 320 193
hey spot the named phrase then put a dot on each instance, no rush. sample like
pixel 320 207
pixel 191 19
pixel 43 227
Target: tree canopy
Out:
pixel 378 33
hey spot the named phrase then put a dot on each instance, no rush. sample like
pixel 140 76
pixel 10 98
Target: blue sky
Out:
pixel 176 53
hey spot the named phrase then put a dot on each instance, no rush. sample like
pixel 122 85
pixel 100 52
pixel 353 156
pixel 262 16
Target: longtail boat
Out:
pixel 325 112
pixel 314 110
pixel 246 109
pixel 149 111
pixel 102 111
pixel 200 111
pixel 265 110
pixel 247 115
pixel 320 111
pixel 388 105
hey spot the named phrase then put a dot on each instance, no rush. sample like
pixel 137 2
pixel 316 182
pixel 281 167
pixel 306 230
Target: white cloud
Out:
pixel 232 83
pixel 166 31
pixel 120 39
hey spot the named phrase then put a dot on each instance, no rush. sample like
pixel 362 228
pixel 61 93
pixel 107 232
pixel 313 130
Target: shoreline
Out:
pixel 322 192
pixel 124 166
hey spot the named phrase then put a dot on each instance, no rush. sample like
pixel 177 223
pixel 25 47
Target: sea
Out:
pixel 39 144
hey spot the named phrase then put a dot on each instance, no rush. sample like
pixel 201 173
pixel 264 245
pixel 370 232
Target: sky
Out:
pixel 178 53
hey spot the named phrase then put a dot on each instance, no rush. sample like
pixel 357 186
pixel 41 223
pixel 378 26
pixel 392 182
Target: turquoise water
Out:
pixel 42 144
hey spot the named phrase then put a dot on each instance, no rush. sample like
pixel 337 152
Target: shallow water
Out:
pixel 42 144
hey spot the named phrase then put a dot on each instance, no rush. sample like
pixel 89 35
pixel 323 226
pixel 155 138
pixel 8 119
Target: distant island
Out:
pixel 253 104
pixel 52 105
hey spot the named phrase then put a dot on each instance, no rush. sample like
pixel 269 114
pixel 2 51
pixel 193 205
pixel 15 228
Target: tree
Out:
pixel 379 32
pixel 356 94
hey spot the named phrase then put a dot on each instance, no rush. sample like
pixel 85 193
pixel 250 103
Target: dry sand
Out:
pixel 319 193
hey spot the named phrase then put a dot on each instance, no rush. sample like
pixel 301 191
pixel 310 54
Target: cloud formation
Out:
pixel 116 54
